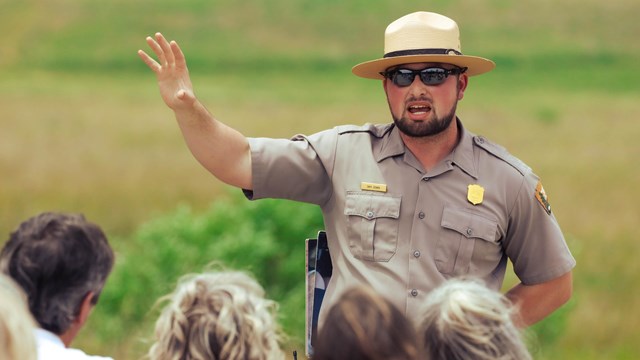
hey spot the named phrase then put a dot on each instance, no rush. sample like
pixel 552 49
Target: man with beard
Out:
pixel 406 205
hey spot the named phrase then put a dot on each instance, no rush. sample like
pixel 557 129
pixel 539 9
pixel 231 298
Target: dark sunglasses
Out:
pixel 429 76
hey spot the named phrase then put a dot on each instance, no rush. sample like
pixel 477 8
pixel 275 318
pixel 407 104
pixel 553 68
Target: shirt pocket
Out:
pixel 460 231
pixel 372 225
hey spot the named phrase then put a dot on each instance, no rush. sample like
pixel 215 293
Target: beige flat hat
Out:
pixel 422 37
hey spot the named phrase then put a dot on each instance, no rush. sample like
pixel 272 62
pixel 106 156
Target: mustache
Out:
pixel 420 98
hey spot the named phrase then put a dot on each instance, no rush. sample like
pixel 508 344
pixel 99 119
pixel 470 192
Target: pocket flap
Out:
pixel 469 224
pixel 371 206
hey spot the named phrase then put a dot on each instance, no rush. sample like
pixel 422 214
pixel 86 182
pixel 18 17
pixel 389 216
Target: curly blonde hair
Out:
pixel 17 339
pixel 464 319
pixel 217 315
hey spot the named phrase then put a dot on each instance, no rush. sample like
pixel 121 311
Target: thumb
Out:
pixel 185 96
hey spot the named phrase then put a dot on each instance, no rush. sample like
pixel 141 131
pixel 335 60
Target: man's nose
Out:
pixel 417 87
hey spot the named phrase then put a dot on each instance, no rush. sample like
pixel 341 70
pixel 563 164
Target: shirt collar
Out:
pixel 48 336
pixel 391 145
pixel 461 156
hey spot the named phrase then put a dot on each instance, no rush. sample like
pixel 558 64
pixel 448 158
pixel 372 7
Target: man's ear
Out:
pixel 85 308
pixel 463 81
pixel 78 322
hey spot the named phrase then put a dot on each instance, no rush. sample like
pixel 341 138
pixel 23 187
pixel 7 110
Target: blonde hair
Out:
pixel 17 339
pixel 363 325
pixel 464 319
pixel 217 315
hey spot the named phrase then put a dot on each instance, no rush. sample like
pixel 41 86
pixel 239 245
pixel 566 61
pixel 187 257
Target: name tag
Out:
pixel 373 187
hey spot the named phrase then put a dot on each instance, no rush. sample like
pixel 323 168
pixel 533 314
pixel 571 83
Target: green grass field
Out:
pixel 83 129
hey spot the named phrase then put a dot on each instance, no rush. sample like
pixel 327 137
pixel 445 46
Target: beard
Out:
pixel 435 126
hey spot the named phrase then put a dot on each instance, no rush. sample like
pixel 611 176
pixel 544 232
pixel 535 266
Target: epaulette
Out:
pixel 375 130
pixel 502 154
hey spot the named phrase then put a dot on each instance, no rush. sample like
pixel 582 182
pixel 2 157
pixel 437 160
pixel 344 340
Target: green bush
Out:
pixel 265 238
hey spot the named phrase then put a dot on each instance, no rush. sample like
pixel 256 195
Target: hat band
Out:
pixel 422 52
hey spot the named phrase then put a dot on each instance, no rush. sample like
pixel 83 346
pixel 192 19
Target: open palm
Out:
pixel 171 70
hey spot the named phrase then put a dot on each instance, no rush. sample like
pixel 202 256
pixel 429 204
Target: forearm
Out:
pixel 535 302
pixel 222 150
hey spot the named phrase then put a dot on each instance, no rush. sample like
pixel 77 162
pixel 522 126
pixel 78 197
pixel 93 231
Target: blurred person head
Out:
pixel 364 325
pixel 16 324
pixel 217 315
pixel 464 319
pixel 61 261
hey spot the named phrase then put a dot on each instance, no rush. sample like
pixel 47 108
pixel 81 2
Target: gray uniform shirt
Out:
pixel 403 231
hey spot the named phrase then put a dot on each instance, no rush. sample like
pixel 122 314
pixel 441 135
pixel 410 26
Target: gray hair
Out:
pixel 217 315
pixel 17 340
pixel 464 319
pixel 57 259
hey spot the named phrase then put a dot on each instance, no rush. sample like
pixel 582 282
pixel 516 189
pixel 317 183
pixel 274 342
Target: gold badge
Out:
pixel 542 198
pixel 373 187
pixel 475 194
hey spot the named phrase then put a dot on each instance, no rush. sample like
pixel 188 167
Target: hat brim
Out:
pixel 371 69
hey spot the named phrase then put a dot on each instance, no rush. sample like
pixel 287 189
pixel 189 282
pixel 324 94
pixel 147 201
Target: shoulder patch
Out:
pixel 375 130
pixel 501 153
pixel 542 198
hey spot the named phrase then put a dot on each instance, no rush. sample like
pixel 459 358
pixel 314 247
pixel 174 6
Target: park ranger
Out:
pixel 407 204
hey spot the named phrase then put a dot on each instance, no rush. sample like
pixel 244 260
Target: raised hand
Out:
pixel 222 150
pixel 171 70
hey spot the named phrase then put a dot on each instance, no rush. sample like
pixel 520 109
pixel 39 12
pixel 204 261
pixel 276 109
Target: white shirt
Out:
pixel 50 347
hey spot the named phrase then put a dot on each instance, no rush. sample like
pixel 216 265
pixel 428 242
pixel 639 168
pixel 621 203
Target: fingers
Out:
pixel 152 64
pixel 166 49
pixel 178 54
pixel 169 54
pixel 157 50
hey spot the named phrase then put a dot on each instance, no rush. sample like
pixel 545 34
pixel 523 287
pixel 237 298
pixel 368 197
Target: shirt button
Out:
pixel 416 253
pixel 469 231
pixel 369 214
pixel 421 215
pixel 414 292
